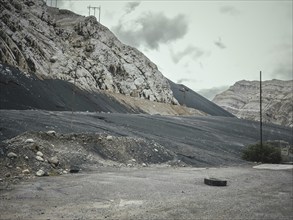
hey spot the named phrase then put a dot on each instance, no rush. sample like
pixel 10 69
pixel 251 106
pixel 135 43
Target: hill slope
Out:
pixel 58 44
pixel 242 100
pixel 194 100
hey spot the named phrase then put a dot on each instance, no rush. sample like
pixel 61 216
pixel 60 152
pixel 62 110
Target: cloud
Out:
pixel 230 10
pixel 212 92
pixel 191 51
pixel 220 44
pixel 131 6
pixel 61 3
pixel 181 81
pixel 151 30
pixel 283 72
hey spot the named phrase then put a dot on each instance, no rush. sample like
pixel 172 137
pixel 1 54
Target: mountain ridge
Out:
pixel 242 100
pixel 59 44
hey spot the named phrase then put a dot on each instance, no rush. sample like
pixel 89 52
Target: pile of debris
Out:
pixel 35 154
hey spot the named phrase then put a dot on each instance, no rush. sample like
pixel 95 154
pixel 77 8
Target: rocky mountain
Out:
pixel 242 100
pixel 57 60
pixel 59 44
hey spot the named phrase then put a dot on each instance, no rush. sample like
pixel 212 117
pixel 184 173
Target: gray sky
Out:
pixel 204 44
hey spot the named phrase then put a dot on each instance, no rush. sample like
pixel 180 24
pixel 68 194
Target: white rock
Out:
pixel 109 138
pixel 39 158
pixel 29 140
pixel 143 164
pixel 26 157
pixel 53 160
pixel 39 153
pixel 156 150
pixel 11 155
pixel 51 132
pixel 40 173
pixel 26 171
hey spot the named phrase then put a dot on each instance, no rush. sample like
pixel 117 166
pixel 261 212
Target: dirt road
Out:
pixel 153 193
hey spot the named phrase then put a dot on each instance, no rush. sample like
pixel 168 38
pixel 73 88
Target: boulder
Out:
pixel 53 160
pixel 12 155
pixel 39 158
pixel 29 141
pixel 109 138
pixel 26 171
pixel 40 173
pixel 39 153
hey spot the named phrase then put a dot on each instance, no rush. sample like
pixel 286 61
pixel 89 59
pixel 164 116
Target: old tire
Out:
pixel 215 182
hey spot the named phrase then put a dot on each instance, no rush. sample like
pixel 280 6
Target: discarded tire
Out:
pixel 215 182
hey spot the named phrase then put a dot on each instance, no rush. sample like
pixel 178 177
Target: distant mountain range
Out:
pixel 242 100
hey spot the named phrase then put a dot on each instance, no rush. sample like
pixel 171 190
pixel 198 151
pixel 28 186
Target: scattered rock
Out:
pixel 29 141
pixel 26 157
pixel 133 160
pixel 53 59
pixel 11 155
pixel 64 172
pixel 143 164
pixel 39 158
pixel 53 160
pixel 39 153
pixel 40 173
pixel 53 133
pixel 109 138
pixel 26 171
pixel 156 150
pixel 8 175
pixel 9 165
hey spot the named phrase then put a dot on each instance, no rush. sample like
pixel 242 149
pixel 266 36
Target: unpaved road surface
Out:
pixel 153 193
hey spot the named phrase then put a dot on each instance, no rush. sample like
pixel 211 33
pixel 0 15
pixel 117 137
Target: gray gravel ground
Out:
pixel 153 193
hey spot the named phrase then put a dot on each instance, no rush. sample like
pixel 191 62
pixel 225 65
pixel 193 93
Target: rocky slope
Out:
pixel 242 99
pixel 20 92
pixel 58 44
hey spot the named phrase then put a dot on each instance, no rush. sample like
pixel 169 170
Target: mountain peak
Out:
pixel 59 44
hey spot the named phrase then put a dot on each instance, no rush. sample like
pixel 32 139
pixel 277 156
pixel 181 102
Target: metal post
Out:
pixel 100 14
pixel 260 108
pixel 89 7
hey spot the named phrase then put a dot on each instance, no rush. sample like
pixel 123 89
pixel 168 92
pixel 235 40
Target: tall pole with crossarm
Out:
pixel 94 8
pixel 260 108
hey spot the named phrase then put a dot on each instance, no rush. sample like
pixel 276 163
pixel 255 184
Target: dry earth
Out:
pixel 153 193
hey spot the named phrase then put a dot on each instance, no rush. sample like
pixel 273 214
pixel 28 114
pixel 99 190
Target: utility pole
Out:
pixel 94 8
pixel 260 108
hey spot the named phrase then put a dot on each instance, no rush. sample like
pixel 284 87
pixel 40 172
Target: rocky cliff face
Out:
pixel 58 44
pixel 242 100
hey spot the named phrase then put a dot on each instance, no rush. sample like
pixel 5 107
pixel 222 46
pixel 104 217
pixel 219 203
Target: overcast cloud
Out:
pixel 230 10
pixel 151 30
pixel 211 93
pixel 190 51
pixel 131 6
pixel 220 44
pixel 284 72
